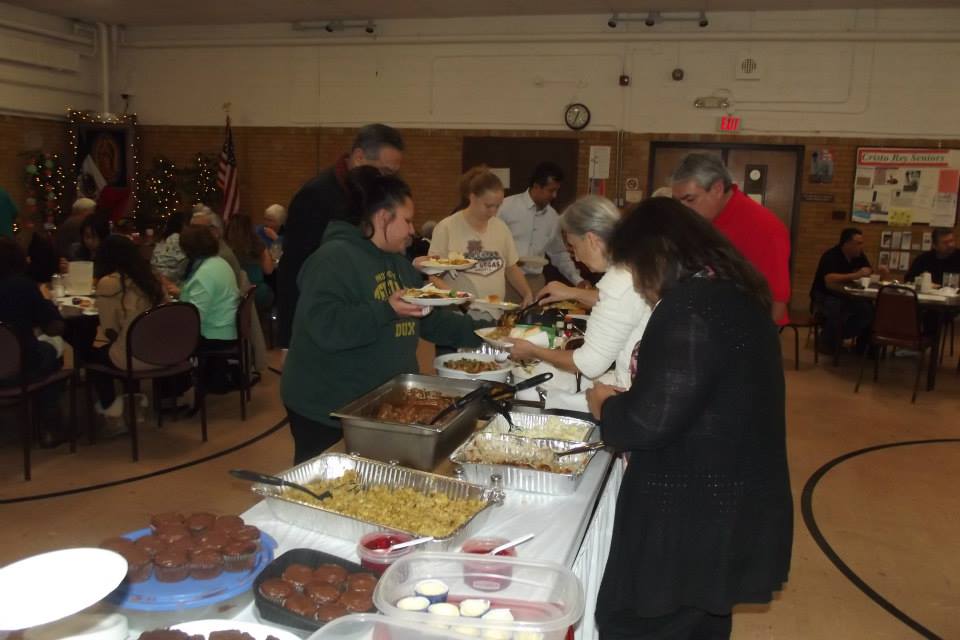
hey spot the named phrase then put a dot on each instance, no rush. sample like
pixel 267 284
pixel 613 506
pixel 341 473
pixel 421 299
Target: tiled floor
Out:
pixel 892 515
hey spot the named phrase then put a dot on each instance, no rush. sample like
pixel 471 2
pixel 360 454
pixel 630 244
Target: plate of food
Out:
pixel 204 628
pixel 494 302
pixel 84 304
pixel 504 337
pixel 453 262
pixel 431 296
pixel 472 366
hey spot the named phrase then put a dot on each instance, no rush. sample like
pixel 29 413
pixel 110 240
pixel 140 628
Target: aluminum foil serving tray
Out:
pixel 333 465
pixel 412 445
pixel 524 478
pixel 526 419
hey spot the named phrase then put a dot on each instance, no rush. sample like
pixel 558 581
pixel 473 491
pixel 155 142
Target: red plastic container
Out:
pixel 373 553
pixel 482 575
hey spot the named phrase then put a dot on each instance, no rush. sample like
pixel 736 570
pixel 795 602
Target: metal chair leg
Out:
pixel 916 382
pixel 863 364
pixel 27 434
pixel 132 420
pixel 876 363
pixel 156 402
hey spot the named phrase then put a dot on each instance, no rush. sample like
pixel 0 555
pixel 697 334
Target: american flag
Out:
pixel 227 176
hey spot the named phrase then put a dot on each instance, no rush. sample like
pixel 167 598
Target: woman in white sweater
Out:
pixel 619 314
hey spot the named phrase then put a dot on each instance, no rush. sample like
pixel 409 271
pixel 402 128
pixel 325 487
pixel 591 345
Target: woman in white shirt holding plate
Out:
pixel 619 314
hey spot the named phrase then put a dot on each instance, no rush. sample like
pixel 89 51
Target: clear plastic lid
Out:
pixel 369 626
pixel 543 599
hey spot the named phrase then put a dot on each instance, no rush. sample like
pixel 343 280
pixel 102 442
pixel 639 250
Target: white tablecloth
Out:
pixel 570 530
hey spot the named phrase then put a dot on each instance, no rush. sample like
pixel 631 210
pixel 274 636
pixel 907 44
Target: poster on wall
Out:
pixel 104 159
pixel 821 166
pixel 906 186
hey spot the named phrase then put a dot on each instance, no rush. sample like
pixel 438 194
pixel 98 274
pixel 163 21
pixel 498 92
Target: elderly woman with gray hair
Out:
pixel 619 314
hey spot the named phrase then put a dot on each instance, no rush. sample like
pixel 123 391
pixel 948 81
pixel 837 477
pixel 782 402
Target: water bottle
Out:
pixel 56 286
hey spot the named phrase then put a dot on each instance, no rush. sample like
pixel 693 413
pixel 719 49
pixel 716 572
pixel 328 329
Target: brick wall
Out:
pixel 275 161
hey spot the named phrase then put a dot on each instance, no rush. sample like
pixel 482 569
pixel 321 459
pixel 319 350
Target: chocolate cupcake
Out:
pixel 330 573
pixel 214 540
pixel 276 590
pixel 357 601
pixel 139 566
pixel 301 605
pixel 171 566
pixel 205 564
pixel 151 545
pixel 321 592
pixel 239 556
pixel 361 582
pixel 187 545
pixel 166 634
pixel 171 533
pixel 228 524
pixel 118 544
pixel 163 519
pixel 328 612
pixel 200 522
pixel 247 533
pixel 298 575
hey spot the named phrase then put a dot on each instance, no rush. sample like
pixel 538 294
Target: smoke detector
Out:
pixel 749 67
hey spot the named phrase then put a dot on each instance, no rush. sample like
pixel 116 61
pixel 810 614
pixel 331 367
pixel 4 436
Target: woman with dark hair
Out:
pixel 168 258
pixel 254 258
pixel 704 517
pixel 352 330
pixel 126 287
pixel 93 231
pixel 24 309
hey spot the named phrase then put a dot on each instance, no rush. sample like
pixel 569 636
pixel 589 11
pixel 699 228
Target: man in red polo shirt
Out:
pixel 704 184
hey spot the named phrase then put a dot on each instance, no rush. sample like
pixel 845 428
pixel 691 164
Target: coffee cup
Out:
pixel 865 282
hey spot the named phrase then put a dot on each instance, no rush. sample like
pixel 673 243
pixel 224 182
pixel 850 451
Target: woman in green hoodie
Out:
pixel 352 331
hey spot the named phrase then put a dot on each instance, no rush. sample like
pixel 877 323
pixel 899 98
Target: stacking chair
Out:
pixel 240 350
pixel 896 323
pixel 804 320
pixel 165 337
pixel 13 366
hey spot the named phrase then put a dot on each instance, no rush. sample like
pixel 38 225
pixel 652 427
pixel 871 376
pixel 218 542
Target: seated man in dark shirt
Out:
pixel 24 309
pixel 943 258
pixel 841 265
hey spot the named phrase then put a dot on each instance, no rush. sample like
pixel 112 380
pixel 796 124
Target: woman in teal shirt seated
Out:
pixel 210 286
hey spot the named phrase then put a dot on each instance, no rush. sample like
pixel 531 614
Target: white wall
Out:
pixel 46 66
pixel 862 73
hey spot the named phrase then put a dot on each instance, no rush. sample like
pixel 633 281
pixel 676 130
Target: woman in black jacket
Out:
pixel 704 517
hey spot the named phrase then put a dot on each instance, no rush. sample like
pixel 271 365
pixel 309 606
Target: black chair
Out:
pixel 239 349
pixel 896 324
pixel 805 320
pixel 164 337
pixel 13 366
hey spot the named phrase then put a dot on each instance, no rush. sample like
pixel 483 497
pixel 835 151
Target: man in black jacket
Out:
pixel 321 200
pixel 942 258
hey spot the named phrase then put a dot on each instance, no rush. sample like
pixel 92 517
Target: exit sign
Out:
pixel 729 123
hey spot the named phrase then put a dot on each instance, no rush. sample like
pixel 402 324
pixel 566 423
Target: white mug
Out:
pixel 865 282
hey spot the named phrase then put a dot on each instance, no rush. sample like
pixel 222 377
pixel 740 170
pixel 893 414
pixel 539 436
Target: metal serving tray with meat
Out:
pixel 412 445
pixel 330 466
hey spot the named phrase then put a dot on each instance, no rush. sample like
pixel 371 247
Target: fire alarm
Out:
pixel 624 81
pixel 677 74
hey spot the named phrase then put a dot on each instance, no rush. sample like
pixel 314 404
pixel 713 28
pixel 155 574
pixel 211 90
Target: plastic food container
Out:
pixel 545 599
pixel 375 627
pixel 372 549
pixel 483 574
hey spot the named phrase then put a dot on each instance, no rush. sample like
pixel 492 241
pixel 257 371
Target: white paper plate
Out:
pixel 532 261
pixel 436 302
pixel 440 267
pixel 69 579
pixel 541 339
pixel 258 631
pixel 501 305
pixel 499 375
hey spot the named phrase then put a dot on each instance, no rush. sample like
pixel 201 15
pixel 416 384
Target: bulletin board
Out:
pixel 906 186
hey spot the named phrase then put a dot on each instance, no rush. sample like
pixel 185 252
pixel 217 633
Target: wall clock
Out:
pixel 577 116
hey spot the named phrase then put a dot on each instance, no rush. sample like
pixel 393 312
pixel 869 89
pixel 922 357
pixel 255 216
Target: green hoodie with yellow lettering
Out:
pixel 346 338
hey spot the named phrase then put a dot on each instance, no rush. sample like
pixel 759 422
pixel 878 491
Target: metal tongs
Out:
pixel 493 392
pixel 254 476
pixel 593 446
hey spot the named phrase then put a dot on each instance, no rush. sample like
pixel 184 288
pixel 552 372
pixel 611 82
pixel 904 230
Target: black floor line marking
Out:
pixel 152 474
pixel 279 372
pixel 806 509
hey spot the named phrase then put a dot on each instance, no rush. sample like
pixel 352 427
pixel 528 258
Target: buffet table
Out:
pixel 570 530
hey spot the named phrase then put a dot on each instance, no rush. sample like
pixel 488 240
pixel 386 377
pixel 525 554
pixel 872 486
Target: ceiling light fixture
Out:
pixel 654 18
pixel 332 26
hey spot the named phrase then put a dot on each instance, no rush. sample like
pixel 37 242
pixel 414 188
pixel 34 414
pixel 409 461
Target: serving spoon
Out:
pixel 510 545
pixel 254 476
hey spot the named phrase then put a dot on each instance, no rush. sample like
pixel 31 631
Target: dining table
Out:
pixel 944 306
